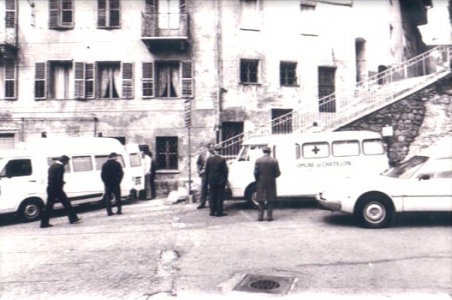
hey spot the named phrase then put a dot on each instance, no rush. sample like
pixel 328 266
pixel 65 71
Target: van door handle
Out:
pixel 32 181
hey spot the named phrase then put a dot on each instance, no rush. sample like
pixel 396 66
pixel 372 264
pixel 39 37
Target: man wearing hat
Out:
pixel 56 193
pixel 217 177
pixel 266 170
pixel 111 175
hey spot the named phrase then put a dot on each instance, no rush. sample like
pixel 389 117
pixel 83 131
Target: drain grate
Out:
pixel 265 284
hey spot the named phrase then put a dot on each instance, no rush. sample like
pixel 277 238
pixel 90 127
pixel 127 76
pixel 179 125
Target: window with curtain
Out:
pixel 60 79
pixel 108 80
pixel 168 81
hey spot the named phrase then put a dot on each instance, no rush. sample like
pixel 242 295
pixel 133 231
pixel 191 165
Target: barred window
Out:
pixel 10 14
pixel 288 73
pixel 249 71
pixel 167 153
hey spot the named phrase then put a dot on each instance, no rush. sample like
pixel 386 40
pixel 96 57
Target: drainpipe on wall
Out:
pixel 217 126
pixel 95 126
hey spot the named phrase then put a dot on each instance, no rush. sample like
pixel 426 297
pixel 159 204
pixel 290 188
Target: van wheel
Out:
pixel 375 212
pixel 30 210
pixel 251 196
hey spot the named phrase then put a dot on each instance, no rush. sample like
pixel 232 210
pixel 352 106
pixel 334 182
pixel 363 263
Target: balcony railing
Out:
pixel 367 96
pixel 164 26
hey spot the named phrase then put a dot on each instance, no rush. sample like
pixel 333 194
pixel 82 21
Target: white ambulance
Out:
pixel 309 162
pixel 23 172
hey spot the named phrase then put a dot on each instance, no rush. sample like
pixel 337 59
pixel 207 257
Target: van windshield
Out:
pixel 407 168
pixel 251 152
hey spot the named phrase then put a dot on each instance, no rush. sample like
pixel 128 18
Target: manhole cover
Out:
pixel 265 284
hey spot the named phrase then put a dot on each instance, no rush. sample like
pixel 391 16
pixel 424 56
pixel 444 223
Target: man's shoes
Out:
pixel 221 215
pixel 110 214
pixel 270 219
pixel 119 213
pixel 77 221
pixel 260 219
pixel 46 226
pixel 212 214
pixel 201 206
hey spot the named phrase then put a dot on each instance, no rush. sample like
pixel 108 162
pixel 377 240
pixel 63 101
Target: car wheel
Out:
pixel 251 196
pixel 375 212
pixel 30 210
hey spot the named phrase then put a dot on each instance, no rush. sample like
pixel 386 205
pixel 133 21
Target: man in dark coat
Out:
pixel 217 178
pixel 56 193
pixel 152 172
pixel 266 170
pixel 111 175
pixel 201 166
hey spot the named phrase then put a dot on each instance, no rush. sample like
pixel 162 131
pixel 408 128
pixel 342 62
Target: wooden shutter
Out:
pixel 101 13
pixel 10 13
pixel 67 14
pixel 183 8
pixel 90 81
pixel 79 87
pixel 127 80
pixel 40 80
pixel 53 13
pixel 150 6
pixel 10 80
pixel 187 79
pixel 114 13
pixel 147 79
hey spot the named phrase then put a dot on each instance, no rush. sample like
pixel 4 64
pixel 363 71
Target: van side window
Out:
pixel 82 163
pixel 346 148
pixel 135 160
pixel 316 150
pixel 373 147
pixel 17 168
pixel 101 159
pixel 51 160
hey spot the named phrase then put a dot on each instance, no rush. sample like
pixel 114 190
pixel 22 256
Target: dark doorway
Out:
pixel 326 88
pixel 281 121
pixel 232 133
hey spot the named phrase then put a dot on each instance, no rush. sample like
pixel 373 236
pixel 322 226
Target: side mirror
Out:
pixel 423 177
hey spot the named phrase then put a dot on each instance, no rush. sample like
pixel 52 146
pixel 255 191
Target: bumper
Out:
pixel 328 205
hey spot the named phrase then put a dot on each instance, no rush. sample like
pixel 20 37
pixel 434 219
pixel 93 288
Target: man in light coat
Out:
pixel 201 165
pixel 266 170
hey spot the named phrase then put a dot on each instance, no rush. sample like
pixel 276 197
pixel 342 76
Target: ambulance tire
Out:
pixel 251 196
pixel 30 210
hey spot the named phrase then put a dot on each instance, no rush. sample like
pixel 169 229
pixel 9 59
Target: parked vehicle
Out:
pixel 422 183
pixel 23 172
pixel 136 166
pixel 308 161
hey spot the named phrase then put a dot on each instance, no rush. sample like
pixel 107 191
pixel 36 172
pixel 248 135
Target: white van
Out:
pixel 23 172
pixel 136 168
pixel 308 161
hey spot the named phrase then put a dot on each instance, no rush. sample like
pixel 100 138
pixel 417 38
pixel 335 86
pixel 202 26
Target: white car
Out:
pixel 421 183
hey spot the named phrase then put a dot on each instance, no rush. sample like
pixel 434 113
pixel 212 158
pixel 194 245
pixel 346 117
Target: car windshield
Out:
pixel 407 168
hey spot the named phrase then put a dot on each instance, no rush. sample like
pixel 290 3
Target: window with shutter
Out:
pixel 187 79
pixel 127 80
pixel 147 80
pixel 89 83
pixel 40 81
pixel 10 80
pixel 61 14
pixel 79 87
pixel 10 13
pixel 108 14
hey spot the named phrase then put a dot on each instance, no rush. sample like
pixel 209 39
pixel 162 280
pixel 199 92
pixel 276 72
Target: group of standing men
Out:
pixel 213 170
pixel 111 175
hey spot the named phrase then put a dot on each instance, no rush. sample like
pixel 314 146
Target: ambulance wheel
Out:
pixel 251 196
pixel 30 210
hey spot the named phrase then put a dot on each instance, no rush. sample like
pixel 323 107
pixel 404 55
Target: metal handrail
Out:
pixel 371 94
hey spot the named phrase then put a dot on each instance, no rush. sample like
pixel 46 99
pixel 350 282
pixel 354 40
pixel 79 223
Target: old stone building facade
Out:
pixel 144 71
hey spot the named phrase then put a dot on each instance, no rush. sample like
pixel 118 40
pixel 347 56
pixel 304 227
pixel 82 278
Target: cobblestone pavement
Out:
pixel 158 249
